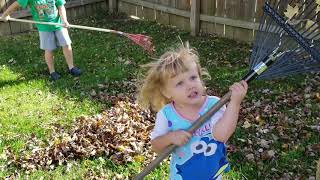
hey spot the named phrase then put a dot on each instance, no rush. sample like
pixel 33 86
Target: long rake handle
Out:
pixel 71 26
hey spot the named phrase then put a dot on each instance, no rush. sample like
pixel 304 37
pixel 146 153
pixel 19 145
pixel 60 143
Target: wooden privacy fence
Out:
pixel 234 19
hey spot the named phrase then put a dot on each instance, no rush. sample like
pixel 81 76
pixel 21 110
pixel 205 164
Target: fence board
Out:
pixel 203 10
pixel 88 10
pixel 162 17
pixel 178 21
pixel 73 13
pixel 5 29
pixel 149 13
pixel 258 14
pixel 122 7
pixel 195 17
pixel 173 17
pixel 230 9
pixel 112 6
pixel 15 27
pixel 94 7
pixel 82 12
pixel 208 7
pixel 103 5
pixel 131 9
pixel 185 5
pixel 26 26
pixel 244 12
pixel 69 15
pixel 78 13
pixel 138 11
pixel 220 12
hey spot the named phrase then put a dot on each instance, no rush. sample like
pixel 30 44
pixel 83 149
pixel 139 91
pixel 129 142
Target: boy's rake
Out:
pixel 142 40
pixel 283 46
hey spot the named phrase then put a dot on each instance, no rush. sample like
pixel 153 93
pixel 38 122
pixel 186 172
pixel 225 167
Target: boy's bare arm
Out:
pixel 63 15
pixel 13 7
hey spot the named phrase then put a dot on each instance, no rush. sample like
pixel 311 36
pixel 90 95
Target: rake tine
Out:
pixel 259 39
pixel 291 67
pixel 259 54
pixel 297 71
pixel 291 57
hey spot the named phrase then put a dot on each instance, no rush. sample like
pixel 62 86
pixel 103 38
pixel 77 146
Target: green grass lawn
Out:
pixel 30 102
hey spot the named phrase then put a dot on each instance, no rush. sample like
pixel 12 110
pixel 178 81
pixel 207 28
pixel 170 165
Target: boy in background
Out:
pixel 50 36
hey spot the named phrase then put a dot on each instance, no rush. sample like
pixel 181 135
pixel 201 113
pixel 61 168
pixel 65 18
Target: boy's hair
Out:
pixel 170 64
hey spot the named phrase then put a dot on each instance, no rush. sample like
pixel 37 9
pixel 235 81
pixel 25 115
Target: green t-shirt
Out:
pixel 45 11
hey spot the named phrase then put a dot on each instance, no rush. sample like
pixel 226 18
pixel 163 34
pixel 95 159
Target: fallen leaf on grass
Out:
pixel 246 125
pixel 291 11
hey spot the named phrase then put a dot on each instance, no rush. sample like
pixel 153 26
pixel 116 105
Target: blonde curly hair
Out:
pixel 170 64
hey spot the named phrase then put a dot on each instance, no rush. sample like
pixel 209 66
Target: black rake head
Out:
pixel 289 30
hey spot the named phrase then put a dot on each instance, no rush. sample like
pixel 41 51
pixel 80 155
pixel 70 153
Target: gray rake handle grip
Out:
pixel 71 26
pixel 194 127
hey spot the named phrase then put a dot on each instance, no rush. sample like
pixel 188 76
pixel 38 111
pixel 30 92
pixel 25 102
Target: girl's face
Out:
pixel 186 87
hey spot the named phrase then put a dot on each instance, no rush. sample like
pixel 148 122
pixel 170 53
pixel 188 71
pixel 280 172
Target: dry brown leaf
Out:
pixel 250 157
pixel 318 96
pixel 246 125
pixel 268 155
pixel 291 11
pixel 311 24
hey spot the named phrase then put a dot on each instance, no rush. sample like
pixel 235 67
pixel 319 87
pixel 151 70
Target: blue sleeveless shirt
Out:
pixel 202 158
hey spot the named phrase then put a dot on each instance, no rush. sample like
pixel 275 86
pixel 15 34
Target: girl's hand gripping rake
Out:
pixel 142 40
pixel 280 49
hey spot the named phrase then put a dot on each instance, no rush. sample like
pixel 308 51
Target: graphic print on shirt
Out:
pixel 202 157
pixel 46 9
pixel 205 159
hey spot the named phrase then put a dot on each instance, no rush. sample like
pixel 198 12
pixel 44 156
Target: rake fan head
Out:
pixel 300 44
pixel 142 40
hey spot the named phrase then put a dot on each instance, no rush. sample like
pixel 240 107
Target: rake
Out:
pixel 142 40
pixel 287 43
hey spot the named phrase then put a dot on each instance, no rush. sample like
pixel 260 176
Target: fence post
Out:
pixel 195 17
pixel 113 6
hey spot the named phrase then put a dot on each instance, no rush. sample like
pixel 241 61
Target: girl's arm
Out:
pixel 226 126
pixel 161 137
pixel 13 7
pixel 179 138
pixel 160 143
pixel 63 15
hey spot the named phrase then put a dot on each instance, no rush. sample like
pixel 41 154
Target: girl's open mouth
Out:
pixel 193 94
